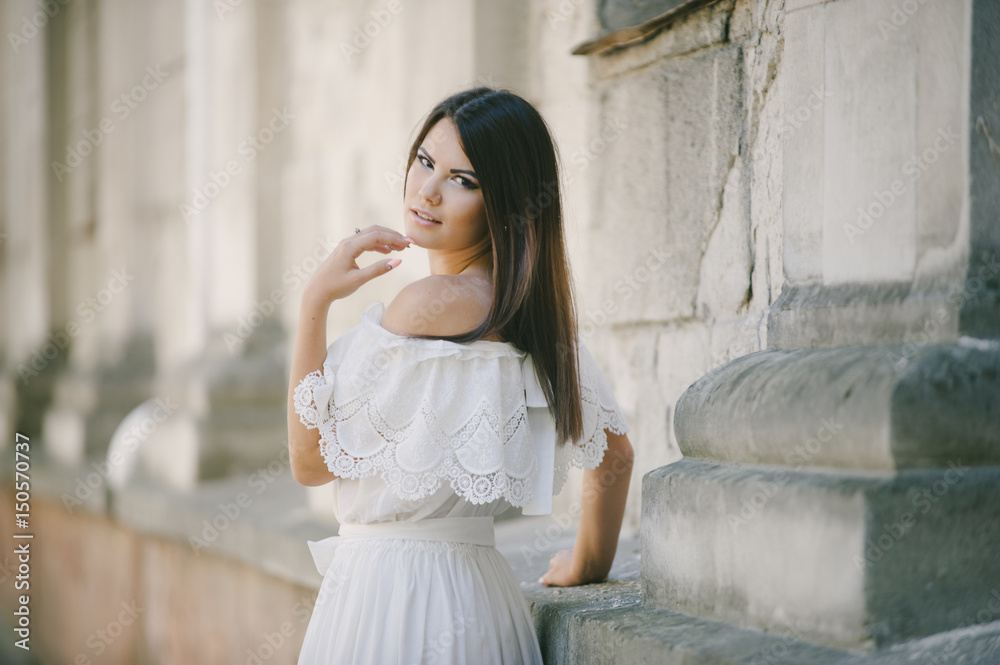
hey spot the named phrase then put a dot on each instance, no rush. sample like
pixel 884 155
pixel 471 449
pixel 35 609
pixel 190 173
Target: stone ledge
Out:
pixel 269 530
pixel 894 557
pixel 809 316
pixel 876 408
pixel 706 27
pixel 263 525
pixel 603 633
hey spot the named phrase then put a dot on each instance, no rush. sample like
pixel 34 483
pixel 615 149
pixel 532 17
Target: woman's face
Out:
pixel 442 186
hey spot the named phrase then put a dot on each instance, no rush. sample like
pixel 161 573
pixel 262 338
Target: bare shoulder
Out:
pixel 438 305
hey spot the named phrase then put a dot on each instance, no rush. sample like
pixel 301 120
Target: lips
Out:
pixel 424 216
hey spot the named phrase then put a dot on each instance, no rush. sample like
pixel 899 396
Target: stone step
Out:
pixel 607 624
pixel 876 408
pixel 617 629
pixel 860 560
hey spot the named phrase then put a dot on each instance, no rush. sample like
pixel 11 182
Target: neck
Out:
pixel 470 260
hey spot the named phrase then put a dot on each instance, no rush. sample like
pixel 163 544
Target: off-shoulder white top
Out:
pixel 419 428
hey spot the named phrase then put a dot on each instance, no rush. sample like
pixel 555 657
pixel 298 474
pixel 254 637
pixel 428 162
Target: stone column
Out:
pixel 840 487
pixel 94 111
pixel 217 351
pixel 24 206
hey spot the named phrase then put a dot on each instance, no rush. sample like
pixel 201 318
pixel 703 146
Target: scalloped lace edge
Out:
pixel 476 488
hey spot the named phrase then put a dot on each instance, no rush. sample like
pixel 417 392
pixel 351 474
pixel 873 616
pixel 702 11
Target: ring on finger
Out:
pixel 357 230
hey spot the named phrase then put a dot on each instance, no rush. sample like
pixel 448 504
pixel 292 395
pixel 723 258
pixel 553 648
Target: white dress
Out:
pixel 431 439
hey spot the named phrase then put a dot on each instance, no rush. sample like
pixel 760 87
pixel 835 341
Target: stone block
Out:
pixel 809 316
pixel 860 561
pixel 688 110
pixel 875 408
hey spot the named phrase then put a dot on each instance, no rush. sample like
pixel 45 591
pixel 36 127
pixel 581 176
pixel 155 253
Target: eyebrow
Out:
pixel 462 171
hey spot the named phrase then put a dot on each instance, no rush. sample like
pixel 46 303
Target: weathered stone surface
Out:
pixel 811 316
pixel 630 634
pixel 980 314
pixel 688 107
pixel 874 408
pixel 874 150
pixel 892 556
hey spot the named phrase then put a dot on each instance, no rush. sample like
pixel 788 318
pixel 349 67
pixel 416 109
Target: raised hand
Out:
pixel 339 275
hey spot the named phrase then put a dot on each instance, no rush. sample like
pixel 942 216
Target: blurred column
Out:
pixel 24 233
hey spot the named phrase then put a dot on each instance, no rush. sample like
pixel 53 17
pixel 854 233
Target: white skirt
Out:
pixel 435 591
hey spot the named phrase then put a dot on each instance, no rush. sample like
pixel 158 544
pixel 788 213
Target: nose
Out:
pixel 431 191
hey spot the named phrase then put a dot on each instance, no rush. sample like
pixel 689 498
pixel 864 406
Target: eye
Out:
pixel 425 161
pixel 465 182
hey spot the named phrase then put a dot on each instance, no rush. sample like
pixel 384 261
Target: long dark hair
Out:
pixel 512 152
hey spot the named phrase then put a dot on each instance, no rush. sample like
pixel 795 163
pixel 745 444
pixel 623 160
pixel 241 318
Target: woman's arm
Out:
pixel 308 466
pixel 602 507
pixel 338 277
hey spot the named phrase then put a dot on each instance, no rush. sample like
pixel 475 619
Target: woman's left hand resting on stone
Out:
pixel 602 507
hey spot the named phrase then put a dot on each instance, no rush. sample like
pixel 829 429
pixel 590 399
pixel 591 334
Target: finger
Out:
pixel 379 268
pixel 380 227
pixel 551 579
pixel 381 234
pixel 377 239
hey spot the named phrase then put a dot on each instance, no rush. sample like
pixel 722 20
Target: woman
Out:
pixel 468 394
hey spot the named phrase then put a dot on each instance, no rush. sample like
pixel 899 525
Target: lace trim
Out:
pixel 489 456
pixel 590 453
pixel 478 488
pixel 305 405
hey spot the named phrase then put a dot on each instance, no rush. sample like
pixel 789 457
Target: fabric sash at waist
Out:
pixel 472 530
